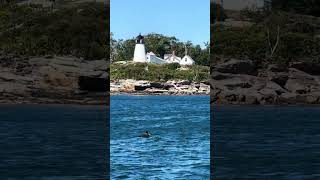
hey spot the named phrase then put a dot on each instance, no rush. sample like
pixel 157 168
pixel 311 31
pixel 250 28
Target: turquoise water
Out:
pixel 180 144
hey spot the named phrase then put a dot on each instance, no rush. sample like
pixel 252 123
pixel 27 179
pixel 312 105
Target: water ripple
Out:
pixel 179 147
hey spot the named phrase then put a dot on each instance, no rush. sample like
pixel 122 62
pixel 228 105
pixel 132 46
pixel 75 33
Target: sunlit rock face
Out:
pixel 58 79
pixel 171 87
pixel 239 82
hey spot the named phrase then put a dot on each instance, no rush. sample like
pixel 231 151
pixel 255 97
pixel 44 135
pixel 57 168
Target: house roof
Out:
pixel 170 55
pixel 151 53
pixel 187 56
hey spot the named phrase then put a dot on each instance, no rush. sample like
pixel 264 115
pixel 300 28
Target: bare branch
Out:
pixel 277 42
pixel 269 42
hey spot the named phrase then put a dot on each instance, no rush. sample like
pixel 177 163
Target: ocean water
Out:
pixel 273 142
pixel 180 144
pixel 53 142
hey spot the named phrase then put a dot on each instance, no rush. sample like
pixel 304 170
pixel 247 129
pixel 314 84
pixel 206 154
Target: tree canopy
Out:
pixel 80 30
pixel 217 13
pixel 280 35
pixel 122 50
pixel 309 7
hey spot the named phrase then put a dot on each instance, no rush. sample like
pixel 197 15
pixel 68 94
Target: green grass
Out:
pixel 252 43
pixel 154 72
pixel 31 31
pixel 297 40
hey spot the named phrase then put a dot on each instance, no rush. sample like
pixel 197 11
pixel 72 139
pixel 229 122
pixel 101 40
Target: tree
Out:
pixel 159 44
pixel 310 7
pixel 113 51
pixel 124 50
pixel 217 13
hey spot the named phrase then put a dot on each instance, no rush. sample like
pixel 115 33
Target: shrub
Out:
pixel 173 66
pixel 79 31
pixel 154 72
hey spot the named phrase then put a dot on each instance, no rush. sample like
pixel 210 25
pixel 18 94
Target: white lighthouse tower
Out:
pixel 139 50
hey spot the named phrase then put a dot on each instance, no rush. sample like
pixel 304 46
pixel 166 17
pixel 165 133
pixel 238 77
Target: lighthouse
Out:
pixel 139 50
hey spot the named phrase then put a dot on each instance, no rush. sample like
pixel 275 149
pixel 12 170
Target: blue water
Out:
pixel 180 144
pixel 53 142
pixel 266 142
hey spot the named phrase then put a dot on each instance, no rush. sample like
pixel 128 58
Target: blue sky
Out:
pixel 184 19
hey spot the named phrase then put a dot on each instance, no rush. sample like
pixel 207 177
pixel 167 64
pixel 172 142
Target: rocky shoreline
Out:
pixel 53 80
pixel 242 82
pixel 71 80
pixel 172 87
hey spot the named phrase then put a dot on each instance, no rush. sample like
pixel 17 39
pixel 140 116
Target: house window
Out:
pixel 185 59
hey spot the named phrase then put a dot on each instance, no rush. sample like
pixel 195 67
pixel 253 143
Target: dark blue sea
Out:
pixel 179 147
pixel 272 142
pixel 53 142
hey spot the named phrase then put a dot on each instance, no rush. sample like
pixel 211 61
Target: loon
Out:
pixel 145 134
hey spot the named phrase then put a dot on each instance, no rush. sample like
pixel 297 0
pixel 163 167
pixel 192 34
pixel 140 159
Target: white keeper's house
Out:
pixel 140 55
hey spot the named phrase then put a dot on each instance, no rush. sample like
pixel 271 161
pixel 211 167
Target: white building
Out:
pixel 152 58
pixel 186 61
pixel 141 56
pixel 172 58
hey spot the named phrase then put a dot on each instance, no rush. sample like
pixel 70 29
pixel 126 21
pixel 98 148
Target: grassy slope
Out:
pixel 298 40
pixel 153 72
pixel 78 30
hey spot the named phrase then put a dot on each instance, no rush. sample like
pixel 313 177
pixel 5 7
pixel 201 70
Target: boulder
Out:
pixel 279 78
pixel 184 82
pixel 287 98
pixel 157 85
pixel 93 84
pixel 232 83
pixel 141 85
pixel 156 91
pixel 307 67
pixel 235 66
pixel 301 83
pixel 277 68
pixel 55 79
pixel 220 76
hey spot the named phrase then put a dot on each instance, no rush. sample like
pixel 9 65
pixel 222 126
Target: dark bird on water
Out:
pixel 145 134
